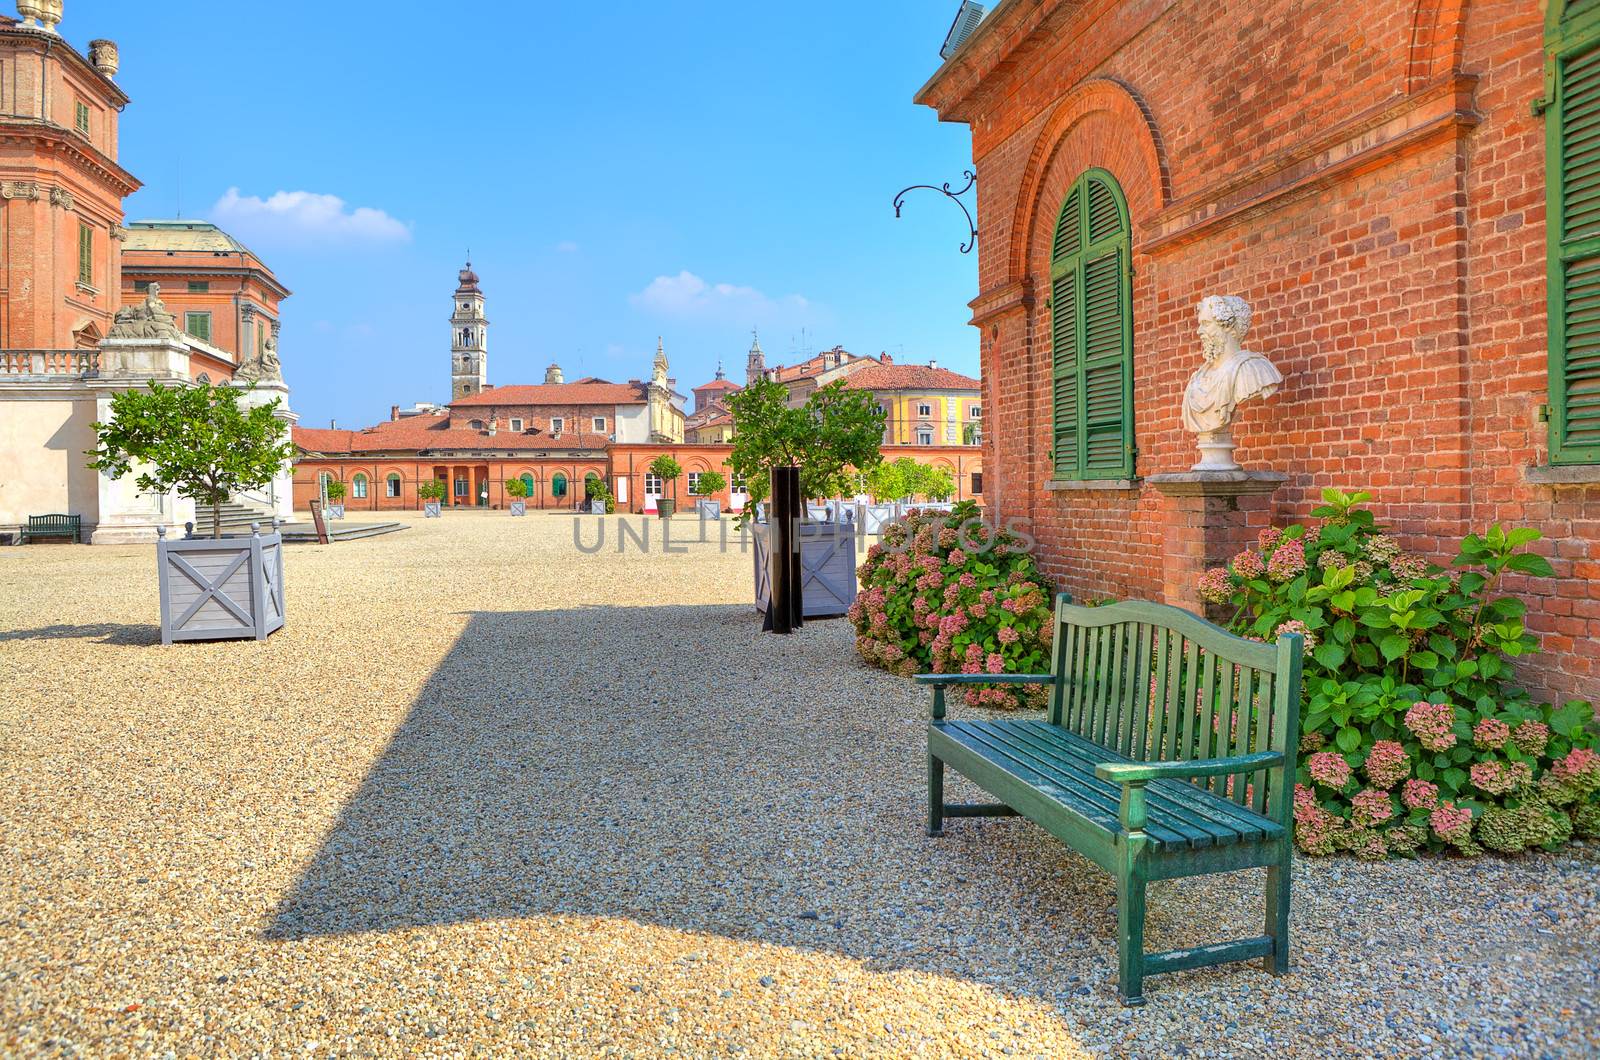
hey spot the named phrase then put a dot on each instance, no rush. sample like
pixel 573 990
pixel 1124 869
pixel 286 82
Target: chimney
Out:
pixel 494 426
pixel 933 364
pixel 103 54
pixel 552 375
pixel 394 412
pixel 886 358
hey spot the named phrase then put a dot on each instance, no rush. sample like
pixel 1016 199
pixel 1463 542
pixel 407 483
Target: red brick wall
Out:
pixel 1371 179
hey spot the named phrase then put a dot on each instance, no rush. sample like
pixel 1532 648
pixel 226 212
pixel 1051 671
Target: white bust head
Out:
pixel 1224 320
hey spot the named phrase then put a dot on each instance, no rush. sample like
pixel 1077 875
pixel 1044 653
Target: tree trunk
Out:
pixel 216 519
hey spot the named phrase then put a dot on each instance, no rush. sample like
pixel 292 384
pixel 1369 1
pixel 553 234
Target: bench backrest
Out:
pixel 41 522
pixel 1156 683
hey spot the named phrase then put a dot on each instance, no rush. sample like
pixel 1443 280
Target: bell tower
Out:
pixel 469 338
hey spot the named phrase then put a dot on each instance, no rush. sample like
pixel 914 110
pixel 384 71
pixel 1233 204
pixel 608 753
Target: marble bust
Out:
pixel 1230 375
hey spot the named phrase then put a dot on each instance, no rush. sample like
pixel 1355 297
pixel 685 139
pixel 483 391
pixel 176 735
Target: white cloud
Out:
pixel 307 215
pixel 687 295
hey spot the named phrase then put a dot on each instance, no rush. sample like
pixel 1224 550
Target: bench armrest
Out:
pixel 1133 776
pixel 1143 772
pixel 983 679
pixel 939 681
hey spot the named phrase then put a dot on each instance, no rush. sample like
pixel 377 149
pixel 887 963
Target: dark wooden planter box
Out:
pixel 227 588
pixel 666 508
pixel 827 568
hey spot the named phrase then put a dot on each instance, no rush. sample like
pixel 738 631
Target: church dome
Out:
pixel 469 279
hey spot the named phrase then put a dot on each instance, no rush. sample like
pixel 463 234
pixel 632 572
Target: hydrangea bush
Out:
pixel 942 592
pixel 1413 736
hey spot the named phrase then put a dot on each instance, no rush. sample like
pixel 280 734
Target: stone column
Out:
pixel 281 490
pixel 1211 517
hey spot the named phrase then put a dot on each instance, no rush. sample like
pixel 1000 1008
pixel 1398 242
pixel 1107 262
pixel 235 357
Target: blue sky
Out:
pixel 620 171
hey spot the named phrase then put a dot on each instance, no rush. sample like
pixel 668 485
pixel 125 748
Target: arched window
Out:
pixel 392 485
pixel 358 486
pixel 204 378
pixel 323 478
pixel 1091 321
pixel 528 484
pixel 558 485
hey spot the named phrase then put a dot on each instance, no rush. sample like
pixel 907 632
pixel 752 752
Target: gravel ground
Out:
pixel 487 795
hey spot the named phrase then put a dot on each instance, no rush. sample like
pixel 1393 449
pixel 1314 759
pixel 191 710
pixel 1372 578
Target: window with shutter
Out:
pixel 85 255
pixel 198 325
pixel 1091 332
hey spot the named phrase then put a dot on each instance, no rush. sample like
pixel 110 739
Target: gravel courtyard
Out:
pixel 487 794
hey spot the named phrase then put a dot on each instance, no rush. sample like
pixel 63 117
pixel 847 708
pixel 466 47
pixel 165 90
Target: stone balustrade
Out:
pixel 78 363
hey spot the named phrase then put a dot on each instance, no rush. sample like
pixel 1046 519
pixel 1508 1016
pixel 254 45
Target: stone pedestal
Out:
pixel 279 496
pixel 1211 516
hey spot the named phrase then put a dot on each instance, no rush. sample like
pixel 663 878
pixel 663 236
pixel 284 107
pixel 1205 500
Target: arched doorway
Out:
pixel 558 486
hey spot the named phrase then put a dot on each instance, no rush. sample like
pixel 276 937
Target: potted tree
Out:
pixel 431 493
pixel 518 491
pixel 598 494
pixel 668 469
pixel 832 438
pixel 335 491
pixel 708 485
pixel 198 440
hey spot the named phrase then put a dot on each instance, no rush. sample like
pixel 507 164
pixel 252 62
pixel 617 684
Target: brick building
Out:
pixel 224 297
pixel 1370 177
pixel 923 404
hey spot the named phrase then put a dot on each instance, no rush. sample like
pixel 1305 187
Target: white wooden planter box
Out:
pixel 708 509
pixel 430 509
pixel 827 568
pixel 333 511
pixel 227 588
pixel 519 507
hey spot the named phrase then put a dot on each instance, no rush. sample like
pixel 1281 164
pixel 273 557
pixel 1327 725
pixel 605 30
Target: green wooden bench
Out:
pixel 1168 750
pixel 53 526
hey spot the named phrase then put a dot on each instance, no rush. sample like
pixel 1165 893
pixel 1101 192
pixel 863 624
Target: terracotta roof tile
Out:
pixel 718 384
pixel 322 439
pixel 908 377
pixel 393 435
pixel 586 393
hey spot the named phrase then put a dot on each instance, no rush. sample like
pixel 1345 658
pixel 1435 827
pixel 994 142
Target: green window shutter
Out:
pixel 85 255
pixel 1573 187
pixel 1091 332
pixel 198 325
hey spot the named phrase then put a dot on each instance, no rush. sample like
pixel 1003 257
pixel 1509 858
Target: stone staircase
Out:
pixel 236 518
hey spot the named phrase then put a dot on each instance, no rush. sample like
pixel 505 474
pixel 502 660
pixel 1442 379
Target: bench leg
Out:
pixel 935 796
pixel 1277 962
pixel 1130 934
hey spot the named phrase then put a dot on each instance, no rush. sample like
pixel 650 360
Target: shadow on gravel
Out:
pixel 101 632
pixel 674 766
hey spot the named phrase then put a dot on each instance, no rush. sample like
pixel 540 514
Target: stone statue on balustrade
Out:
pixel 146 320
pixel 262 369
pixel 1230 376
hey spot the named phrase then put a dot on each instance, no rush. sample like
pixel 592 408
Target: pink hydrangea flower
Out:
pixel 1287 561
pixel 1008 635
pixel 1490 777
pixel 1387 764
pixel 1452 822
pixel 1531 736
pixel 1268 537
pixel 1249 564
pixel 1294 625
pixel 1431 724
pixel 1214 586
pixel 1329 769
pixel 956 557
pixel 996 663
pixel 1490 734
pixel 1419 795
pixel 1371 807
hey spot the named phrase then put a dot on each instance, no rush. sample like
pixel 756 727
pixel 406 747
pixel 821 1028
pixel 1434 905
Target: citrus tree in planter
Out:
pixel 517 490
pixel 835 433
pixel 596 489
pixel 668 469
pixel 197 440
pixel 710 483
pixel 335 491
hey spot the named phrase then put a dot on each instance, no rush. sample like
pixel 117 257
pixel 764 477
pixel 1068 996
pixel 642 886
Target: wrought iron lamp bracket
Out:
pixel 953 196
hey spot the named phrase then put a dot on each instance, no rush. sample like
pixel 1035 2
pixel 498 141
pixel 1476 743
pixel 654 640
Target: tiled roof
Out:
pixel 193 236
pixel 908 377
pixel 408 435
pixel 718 384
pixel 584 393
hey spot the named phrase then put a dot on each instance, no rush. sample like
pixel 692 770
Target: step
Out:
pixel 340 531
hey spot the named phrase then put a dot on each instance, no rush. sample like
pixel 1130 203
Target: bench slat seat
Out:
pixel 1168 750
pixel 1061 764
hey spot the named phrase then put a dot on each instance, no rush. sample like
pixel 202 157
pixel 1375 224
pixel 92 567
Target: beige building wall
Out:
pixel 42 472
